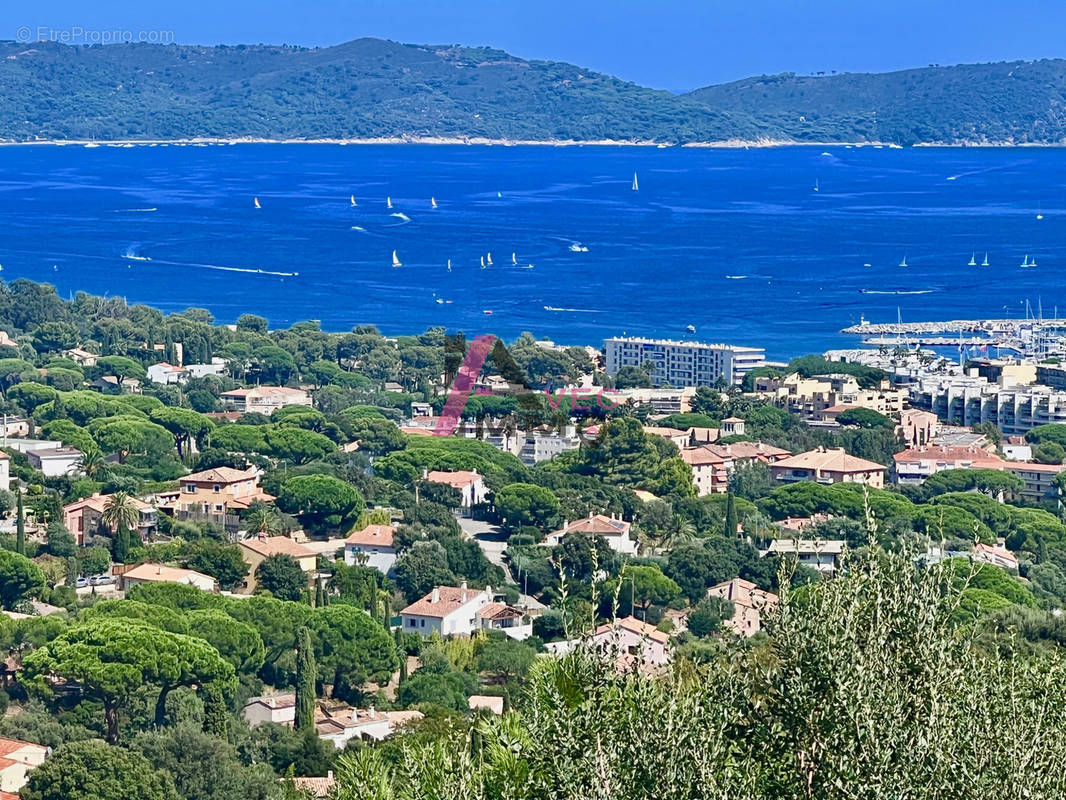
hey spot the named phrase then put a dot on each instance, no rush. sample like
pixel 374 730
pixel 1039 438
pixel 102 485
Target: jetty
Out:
pixel 989 327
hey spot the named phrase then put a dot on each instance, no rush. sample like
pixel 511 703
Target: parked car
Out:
pixel 81 582
pixel 101 580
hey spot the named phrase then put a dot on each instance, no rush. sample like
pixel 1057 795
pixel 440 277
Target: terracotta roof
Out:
pixel 373 535
pixel 316 787
pixel 9 746
pixel 995 552
pixel 831 460
pixel 1032 466
pixel 219 475
pixel 449 598
pixel 974 457
pixel 634 625
pixel 458 479
pixel 743 593
pixel 283 700
pixel 596 524
pixel 98 502
pixel 498 611
pixel 276 545
pixel 163 574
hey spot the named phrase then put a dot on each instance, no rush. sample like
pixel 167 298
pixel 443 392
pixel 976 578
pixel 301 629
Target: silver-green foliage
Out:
pixel 865 690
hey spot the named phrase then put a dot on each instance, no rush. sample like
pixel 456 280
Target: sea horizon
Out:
pixel 765 247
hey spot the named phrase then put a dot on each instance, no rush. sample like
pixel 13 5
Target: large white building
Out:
pixel 971 399
pixel 684 363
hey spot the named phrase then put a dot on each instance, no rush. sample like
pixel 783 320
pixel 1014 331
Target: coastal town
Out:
pixel 429 518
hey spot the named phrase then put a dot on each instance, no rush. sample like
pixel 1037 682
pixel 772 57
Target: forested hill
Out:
pixel 369 88
pixel 1004 103
pixel 362 89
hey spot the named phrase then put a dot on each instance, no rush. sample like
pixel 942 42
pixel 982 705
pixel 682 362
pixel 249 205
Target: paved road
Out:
pixel 491 539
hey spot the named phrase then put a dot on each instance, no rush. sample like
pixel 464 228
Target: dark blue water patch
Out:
pixel 734 242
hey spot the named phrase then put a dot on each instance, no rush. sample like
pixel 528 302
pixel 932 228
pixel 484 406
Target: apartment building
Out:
pixel 680 363
pixel 971 399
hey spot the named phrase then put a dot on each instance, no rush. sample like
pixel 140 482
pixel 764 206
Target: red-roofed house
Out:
pixel 632 641
pixel 258 548
pixel 613 531
pixel 85 517
pixel 17 759
pixel 313 787
pixel 216 495
pixel 914 465
pixel 749 601
pixel 160 573
pixel 470 484
pixel 830 465
pixel 995 554
pixel 372 546
pixel 447 610
pixel 713 464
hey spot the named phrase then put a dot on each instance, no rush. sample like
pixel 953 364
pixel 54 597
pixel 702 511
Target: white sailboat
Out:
pixel 1025 262
pixel 903 263
pixel 483 262
pixel 256 202
pixel 449 265
pixel 433 202
pixel 499 194
pixel 351 200
pixel 816 186
pixel 1032 263
pixel 973 260
pixel 985 262
pixel 636 186
pixel 388 203
pixel 488 259
pixel 514 259
pixel 395 260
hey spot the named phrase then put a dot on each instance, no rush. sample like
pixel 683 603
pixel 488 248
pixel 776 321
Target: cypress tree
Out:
pixel 320 595
pixel 731 523
pixel 20 525
pixel 120 544
pixel 306 678
pixel 216 717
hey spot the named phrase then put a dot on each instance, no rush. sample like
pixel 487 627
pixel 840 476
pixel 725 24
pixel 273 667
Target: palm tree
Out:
pixel 92 464
pixel 679 532
pixel 121 515
pixel 261 519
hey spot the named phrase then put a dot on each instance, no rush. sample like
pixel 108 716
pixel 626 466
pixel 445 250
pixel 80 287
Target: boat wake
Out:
pixel 248 270
pixel 134 210
pixel 899 291
pixel 577 247
pixel 573 310
pixel 133 255
pixel 736 277
pixel 401 215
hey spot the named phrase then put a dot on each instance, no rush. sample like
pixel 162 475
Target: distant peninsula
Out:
pixel 383 91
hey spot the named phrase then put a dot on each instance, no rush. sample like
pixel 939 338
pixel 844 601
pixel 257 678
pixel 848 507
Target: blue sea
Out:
pixel 737 243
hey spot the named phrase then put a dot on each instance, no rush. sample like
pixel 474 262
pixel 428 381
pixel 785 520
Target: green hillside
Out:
pixel 1016 102
pixel 364 88
pixel 371 88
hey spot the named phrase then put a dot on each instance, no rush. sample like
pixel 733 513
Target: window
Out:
pixel 422 623
pixel 410 623
pixel 216 488
pixel 189 488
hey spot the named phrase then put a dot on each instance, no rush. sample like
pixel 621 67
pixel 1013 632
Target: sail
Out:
pixel 256 201
pixel 985 262
pixel 488 259
pixel 483 262
pixel 433 202
pixel 351 200
pixel 973 260
pixel 396 260
pixel 388 202
pixel 514 258
pixel 636 186
pixel 449 265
